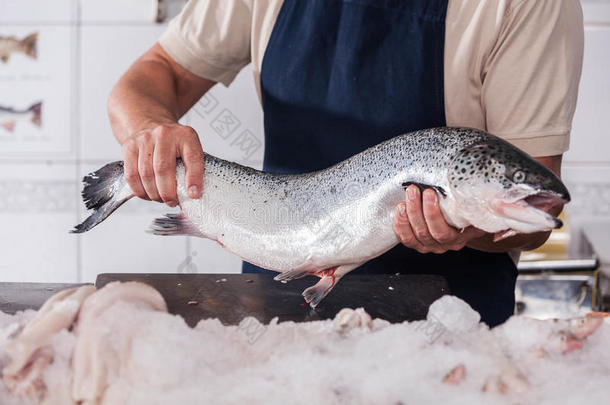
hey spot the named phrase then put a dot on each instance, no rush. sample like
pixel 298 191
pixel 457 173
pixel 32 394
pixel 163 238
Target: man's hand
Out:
pixel 150 162
pixel 420 225
pixel 144 107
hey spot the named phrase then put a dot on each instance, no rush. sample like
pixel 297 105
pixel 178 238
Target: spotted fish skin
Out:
pixel 332 217
pixel 331 221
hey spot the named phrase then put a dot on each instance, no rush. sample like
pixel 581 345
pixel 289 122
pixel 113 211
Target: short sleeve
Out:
pixel 211 38
pixel 531 77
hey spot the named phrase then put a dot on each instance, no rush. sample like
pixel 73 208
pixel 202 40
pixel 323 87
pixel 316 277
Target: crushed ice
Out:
pixel 449 358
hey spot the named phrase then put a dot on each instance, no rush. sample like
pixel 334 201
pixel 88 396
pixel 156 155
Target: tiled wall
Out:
pixel 587 165
pixel 83 49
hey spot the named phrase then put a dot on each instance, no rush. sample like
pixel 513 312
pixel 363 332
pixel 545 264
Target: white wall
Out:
pixel 587 164
pixel 83 50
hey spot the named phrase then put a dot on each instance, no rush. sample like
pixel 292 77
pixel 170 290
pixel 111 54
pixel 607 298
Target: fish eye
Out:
pixel 519 176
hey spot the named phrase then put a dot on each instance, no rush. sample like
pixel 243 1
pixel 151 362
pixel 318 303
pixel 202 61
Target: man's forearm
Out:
pixel 144 108
pixel 146 94
pixel 155 90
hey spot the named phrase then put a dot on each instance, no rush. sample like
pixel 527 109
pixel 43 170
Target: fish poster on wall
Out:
pixel 36 90
pixel 10 116
pixel 11 45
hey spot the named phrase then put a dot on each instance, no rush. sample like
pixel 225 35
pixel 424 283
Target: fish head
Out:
pixel 500 188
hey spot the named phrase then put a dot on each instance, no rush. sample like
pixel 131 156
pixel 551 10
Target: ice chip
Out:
pixel 454 314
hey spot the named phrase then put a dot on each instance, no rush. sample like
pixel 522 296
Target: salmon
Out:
pixel 329 222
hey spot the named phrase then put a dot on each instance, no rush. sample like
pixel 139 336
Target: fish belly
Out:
pixel 283 234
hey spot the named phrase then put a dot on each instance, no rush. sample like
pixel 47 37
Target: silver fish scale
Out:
pixel 341 215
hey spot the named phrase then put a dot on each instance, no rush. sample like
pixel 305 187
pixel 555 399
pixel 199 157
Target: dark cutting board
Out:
pixel 21 296
pixel 231 297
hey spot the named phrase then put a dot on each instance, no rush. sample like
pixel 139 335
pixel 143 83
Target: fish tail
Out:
pixel 105 190
pixel 36 110
pixel 30 45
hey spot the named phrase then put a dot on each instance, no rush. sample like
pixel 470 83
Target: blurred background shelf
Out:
pixel 563 278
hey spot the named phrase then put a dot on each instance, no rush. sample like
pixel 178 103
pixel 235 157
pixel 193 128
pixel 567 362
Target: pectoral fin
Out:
pixel 423 186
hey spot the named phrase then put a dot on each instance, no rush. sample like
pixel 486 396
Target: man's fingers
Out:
pixel 130 167
pixel 150 162
pixel 192 156
pixel 403 230
pixel 146 170
pixel 419 224
pixel 164 167
pixel 416 217
pixel 438 227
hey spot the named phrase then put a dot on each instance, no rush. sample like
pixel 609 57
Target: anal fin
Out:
pixel 174 224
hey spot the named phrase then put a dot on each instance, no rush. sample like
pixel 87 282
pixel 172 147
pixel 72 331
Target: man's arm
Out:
pixel 144 108
pixel 420 225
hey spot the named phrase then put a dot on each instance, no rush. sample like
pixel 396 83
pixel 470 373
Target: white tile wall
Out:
pixel 106 52
pixel 85 53
pixel 587 165
pixel 594 100
pixel 118 11
pixel 38 11
pixel 37 209
pixel 82 52
pixel 596 12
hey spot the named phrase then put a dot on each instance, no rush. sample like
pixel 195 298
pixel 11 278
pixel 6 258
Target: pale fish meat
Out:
pixel 329 222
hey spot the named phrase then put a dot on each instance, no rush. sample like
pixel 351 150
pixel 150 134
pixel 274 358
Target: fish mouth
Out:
pixel 546 201
pixel 526 210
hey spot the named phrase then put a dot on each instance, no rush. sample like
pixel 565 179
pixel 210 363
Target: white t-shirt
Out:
pixel 512 67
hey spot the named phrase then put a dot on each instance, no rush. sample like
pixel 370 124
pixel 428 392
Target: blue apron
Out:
pixel 339 76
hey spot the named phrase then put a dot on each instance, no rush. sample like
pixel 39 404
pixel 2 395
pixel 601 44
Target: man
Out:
pixel 337 76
